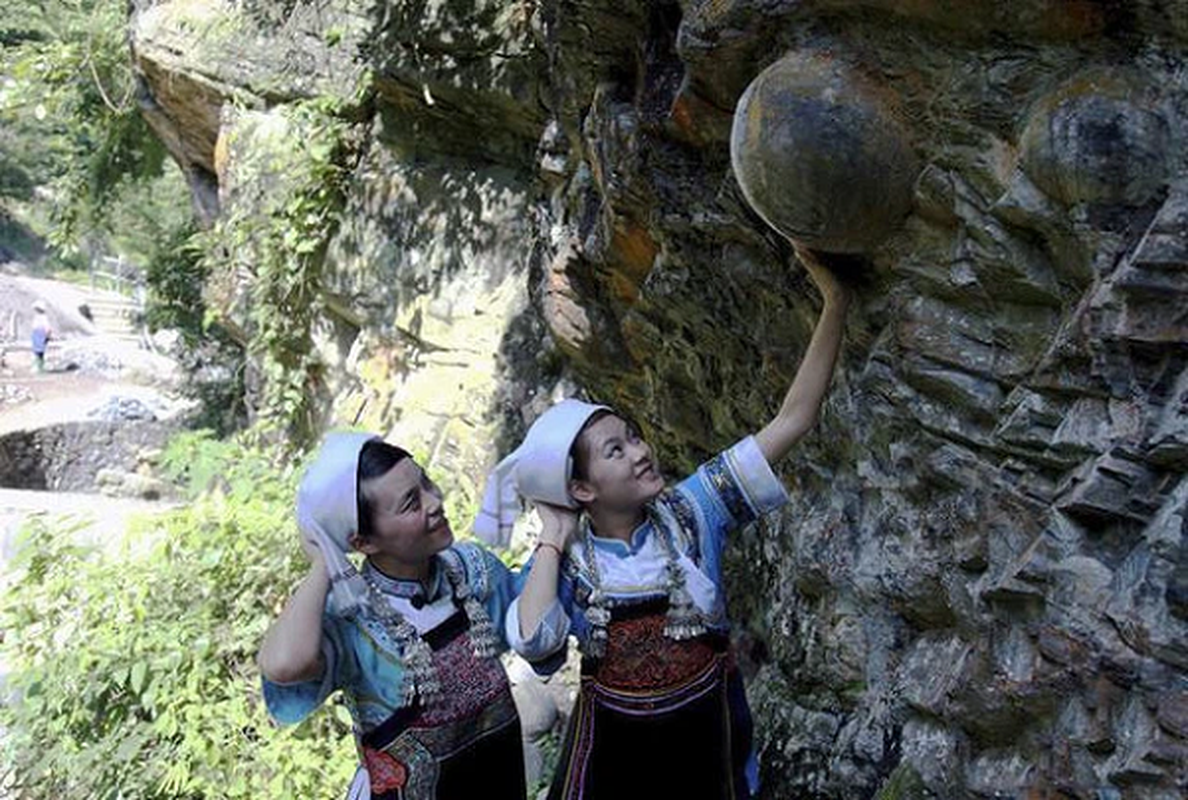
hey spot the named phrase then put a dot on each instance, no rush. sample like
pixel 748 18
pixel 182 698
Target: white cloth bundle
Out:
pixel 328 515
pixel 539 469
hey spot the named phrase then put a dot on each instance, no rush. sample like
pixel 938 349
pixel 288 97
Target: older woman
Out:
pixel 411 639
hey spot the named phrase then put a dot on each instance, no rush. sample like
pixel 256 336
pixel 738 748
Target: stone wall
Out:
pixel 84 457
pixel 980 588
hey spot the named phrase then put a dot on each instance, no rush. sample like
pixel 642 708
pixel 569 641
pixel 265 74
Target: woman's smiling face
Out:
pixel 619 471
pixel 408 522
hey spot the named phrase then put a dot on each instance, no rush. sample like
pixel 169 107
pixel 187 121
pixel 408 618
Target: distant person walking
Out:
pixel 42 333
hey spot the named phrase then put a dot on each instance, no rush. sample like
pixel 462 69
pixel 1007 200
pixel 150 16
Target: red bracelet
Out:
pixel 559 551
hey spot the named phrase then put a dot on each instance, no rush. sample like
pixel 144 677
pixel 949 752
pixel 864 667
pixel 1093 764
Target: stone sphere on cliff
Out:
pixel 1097 139
pixel 820 155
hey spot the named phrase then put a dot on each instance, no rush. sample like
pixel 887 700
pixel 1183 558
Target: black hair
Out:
pixel 375 460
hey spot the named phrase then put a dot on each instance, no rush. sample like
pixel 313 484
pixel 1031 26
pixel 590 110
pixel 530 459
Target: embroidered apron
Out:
pixel 465 744
pixel 655 718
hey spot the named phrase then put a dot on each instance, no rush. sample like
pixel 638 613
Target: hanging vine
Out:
pixel 278 234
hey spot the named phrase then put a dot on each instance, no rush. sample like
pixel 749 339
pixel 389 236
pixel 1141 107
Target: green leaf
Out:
pixel 137 675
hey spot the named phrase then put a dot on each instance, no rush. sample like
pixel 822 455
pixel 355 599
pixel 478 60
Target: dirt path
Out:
pixel 31 399
pixel 50 398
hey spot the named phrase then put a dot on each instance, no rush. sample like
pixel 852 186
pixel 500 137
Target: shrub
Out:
pixel 133 665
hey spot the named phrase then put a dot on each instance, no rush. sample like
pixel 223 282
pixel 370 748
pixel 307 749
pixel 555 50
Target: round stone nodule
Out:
pixel 821 157
pixel 1096 140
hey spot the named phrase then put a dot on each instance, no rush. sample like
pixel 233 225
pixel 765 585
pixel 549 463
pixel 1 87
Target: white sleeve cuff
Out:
pixel 763 489
pixel 550 635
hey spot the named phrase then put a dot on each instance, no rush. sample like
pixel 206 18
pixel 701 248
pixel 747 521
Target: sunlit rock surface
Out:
pixel 980 588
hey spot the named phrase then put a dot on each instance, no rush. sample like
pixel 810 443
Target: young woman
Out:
pixel 409 638
pixel 637 578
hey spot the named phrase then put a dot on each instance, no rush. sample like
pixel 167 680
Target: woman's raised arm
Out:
pixel 802 404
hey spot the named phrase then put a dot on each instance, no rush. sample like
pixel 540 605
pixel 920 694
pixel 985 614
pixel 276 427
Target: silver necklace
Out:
pixel 683 619
pixel 416 657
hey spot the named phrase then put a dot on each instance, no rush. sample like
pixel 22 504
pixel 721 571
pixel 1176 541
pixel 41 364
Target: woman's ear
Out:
pixel 365 546
pixel 581 491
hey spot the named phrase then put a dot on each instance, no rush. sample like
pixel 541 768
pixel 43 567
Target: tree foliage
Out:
pixel 80 167
pixel 68 109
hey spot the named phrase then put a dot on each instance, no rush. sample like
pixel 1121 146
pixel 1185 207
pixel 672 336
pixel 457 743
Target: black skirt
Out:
pixel 656 718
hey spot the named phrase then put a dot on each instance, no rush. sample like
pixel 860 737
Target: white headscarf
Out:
pixel 328 515
pixel 539 469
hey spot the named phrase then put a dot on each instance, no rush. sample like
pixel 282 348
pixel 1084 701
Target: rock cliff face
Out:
pixel 980 588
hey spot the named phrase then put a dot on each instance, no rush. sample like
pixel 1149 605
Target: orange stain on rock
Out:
pixel 1073 19
pixel 633 252
pixel 683 114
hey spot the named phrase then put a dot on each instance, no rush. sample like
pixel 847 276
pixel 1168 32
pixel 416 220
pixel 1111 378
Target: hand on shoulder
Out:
pixel 559 524
pixel 312 551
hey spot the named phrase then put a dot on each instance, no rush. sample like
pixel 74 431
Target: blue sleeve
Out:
pixel 545 647
pixel 290 703
pixel 732 489
pixel 492 582
pixel 578 627
pixel 505 585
